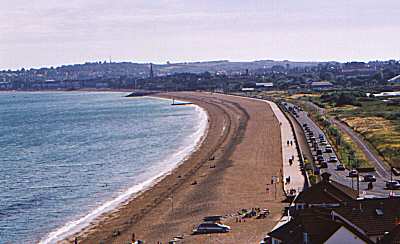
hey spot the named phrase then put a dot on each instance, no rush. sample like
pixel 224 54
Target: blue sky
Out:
pixel 36 33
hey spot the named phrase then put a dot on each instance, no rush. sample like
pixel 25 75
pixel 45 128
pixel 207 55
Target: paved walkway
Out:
pixel 288 152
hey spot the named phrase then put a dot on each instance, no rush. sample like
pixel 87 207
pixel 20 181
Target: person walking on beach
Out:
pixel 133 239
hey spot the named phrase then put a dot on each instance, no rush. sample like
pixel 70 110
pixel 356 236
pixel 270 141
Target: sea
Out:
pixel 68 157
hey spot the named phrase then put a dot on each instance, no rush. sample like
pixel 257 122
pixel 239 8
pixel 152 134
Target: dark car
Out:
pixel 369 178
pixel 340 167
pixel 323 165
pixel 211 227
pixel 353 173
pixel 320 158
pixel 328 150
pixel 392 185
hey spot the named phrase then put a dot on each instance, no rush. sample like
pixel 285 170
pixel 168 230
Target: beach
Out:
pixel 231 170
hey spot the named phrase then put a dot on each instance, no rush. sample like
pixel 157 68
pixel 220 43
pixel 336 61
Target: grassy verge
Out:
pixel 347 151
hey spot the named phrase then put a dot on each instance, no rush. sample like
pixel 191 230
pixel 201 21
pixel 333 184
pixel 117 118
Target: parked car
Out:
pixel 333 159
pixel 369 178
pixel 211 227
pixel 319 152
pixel 324 144
pixel 340 167
pixel 320 158
pixel 328 150
pixel 392 185
pixel 353 173
pixel 323 165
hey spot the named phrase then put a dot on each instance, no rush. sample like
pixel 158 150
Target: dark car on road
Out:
pixel 323 165
pixel 369 178
pixel 392 185
pixel 353 173
pixel 320 158
pixel 340 167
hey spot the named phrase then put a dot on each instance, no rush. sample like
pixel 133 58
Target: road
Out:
pixel 382 169
pixel 342 176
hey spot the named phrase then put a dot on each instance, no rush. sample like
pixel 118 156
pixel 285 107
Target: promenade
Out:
pixel 290 157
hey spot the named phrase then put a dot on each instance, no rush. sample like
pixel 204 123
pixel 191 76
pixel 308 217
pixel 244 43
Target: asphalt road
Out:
pixel 381 168
pixel 379 187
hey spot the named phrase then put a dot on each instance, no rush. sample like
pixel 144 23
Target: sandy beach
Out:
pixel 244 140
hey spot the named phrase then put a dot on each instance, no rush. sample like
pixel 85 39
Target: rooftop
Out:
pixel 327 192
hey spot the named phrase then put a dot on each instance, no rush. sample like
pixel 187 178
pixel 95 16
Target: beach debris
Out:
pixel 212 166
pixel 212 158
pixel 213 218
pixel 194 183
pixel 116 232
pixel 263 214
pixel 176 239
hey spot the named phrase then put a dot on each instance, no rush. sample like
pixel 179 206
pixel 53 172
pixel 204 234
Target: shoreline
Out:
pixel 194 186
pixel 111 206
pixel 148 185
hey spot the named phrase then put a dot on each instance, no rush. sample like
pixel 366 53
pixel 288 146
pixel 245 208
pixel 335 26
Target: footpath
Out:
pixel 292 174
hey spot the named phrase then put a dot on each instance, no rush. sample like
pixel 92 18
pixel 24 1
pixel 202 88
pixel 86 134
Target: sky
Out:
pixel 36 33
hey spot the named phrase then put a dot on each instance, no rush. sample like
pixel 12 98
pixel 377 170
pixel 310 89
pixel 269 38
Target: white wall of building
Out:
pixel 343 235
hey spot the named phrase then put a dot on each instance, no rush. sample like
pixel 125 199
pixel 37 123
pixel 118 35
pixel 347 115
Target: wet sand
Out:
pixel 244 138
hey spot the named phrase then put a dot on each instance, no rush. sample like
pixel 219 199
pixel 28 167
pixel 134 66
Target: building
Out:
pixel 248 89
pixel 330 212
pixel 264 86
pixel 326 193
pixel 317 225
pixel 321 85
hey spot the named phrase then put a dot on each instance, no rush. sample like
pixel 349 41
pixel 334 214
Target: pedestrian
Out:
pixel 291 143
pixel 133 239
pixel 288 142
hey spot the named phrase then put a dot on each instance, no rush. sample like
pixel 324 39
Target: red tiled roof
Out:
pixel 374 216
pixel 326 191
pixel 317 223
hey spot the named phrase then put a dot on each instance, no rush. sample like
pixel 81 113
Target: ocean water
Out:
pixel 67 157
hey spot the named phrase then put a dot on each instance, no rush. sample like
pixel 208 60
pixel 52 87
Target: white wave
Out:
pixel 192 142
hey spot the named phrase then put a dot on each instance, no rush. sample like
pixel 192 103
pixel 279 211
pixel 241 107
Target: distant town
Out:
pixel 219 76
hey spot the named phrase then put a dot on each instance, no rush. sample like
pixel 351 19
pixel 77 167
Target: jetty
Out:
pixel 179 103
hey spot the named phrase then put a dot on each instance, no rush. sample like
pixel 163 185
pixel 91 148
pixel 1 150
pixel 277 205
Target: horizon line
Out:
pixel 105 61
